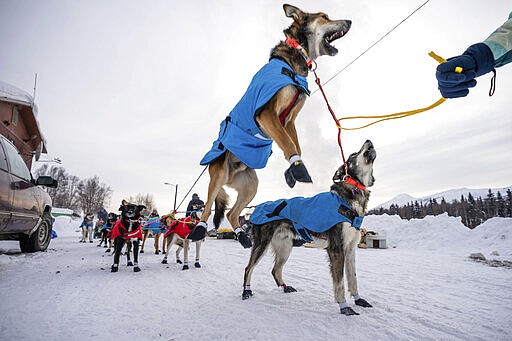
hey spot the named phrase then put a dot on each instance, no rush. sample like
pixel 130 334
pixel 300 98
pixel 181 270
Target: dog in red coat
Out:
pixel 127 230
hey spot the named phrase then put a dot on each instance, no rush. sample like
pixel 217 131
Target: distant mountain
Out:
pixel 449 196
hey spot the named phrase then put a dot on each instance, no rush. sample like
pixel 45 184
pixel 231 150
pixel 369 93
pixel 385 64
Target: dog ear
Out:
pixel 124 203
pixel 293 12
pixel 340 172
pixel 141 207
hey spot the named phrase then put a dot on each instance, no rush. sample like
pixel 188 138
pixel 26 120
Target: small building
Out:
pixel 18 122
pixel 376 241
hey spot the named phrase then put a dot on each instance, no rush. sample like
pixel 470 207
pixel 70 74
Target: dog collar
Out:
pixel 354 183
pixel 295 44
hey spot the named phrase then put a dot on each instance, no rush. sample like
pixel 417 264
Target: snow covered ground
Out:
pixel 423 287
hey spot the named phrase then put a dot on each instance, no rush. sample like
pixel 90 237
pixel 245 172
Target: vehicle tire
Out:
pixel 40 239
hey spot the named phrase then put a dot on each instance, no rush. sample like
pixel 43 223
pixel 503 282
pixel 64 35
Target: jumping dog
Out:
pixel 334 216
pixel 267 113
pixel 127 230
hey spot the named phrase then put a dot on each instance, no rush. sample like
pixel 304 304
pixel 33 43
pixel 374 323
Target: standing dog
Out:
pixel 181 232
pixel 87 228
pixel 127 231
pixel 106 231
pixel 267 113
pixel 335 216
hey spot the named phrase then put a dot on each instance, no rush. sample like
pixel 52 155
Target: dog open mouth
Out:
pixel 369 153
pixel 333 35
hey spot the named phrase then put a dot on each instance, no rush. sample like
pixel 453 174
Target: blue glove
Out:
pixel 476 61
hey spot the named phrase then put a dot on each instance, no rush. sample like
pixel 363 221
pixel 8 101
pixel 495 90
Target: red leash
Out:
pixel 312 66
pixel 317 81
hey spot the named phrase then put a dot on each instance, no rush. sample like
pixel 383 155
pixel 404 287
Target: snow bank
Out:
pixel 444 232
pixel 66 226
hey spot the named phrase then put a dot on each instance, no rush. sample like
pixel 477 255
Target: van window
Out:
pixel 3 160
pixel 18 166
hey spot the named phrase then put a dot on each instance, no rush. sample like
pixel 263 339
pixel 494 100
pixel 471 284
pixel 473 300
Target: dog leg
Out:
pixel 246 184
pixel 282 245
pixel 198 254
pixel 270 125
pixel 257 251
pixel 350 236
pixel 136 267
pixel 118 246
pixel 156 236
pixel 218 177
pixel 128 253
pixel 186 244
pixel 337 261
pixel 146 233
pixel 178 251
pixel 167 240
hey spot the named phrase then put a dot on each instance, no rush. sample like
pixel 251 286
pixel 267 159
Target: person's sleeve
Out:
pixel 500 43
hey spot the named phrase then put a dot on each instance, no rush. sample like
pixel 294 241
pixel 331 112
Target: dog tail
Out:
pixel 221 203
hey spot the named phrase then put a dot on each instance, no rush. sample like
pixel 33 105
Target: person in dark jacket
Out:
pixel 195 204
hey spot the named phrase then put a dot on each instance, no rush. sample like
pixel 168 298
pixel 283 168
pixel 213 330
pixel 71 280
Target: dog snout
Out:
pixel 348 24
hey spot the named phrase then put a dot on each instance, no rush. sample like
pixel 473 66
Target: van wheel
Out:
pixel 40 239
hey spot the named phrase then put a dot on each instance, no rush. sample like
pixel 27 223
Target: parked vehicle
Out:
pixel 24 206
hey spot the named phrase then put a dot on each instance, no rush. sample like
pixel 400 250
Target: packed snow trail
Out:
pixel 424 287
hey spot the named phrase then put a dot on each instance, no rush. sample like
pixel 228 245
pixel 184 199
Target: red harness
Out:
pixel 120 230
pixel 284 114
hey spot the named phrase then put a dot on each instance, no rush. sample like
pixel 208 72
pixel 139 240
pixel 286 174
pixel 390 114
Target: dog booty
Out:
pixel 298 242
pixel 244 239
pixel 198 233
pixel 296 172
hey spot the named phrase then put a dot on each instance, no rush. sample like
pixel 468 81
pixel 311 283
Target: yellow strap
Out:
pixel 403 114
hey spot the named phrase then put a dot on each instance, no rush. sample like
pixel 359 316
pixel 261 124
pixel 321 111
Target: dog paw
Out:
pixel 347 311
pixel 179 261
pixel 141 251
pixel 129 263
pixel 290 180
pixel 198 233
pixel 185 267
pixel 114 268
pixel 197 265
pixel 243 238
pixel 287 288
pixel 107 250
pixel 298 242
pixel 136 268
pixel 164 261
pixel 363 303
pixel 296 172
pixel 246 294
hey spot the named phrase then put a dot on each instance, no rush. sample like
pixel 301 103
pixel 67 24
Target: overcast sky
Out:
pixel 134 91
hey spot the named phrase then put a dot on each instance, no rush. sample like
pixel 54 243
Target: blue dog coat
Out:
pixel 239 132
pixel 315 214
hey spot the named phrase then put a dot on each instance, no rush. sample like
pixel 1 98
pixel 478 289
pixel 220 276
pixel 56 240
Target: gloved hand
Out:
pixel 476 61
pixel 296 172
